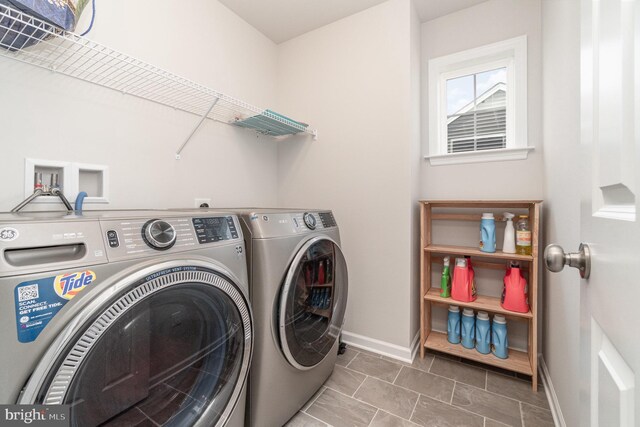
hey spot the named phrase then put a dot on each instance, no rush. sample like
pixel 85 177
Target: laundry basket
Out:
pixel 17 30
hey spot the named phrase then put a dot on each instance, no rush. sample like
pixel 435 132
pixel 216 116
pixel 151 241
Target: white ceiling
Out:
pixel 281 20
pixel 431 9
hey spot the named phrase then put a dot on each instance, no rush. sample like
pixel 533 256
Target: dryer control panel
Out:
pixel 277 224
pixel 140 237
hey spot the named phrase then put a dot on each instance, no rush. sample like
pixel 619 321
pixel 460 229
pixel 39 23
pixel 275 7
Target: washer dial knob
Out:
pixel 309 220
pixel 159 234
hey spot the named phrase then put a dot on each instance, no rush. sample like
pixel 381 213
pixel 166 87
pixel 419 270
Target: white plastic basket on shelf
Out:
pixel 34 41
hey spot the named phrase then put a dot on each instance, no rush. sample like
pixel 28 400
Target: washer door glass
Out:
pixel 172 351
pixel 313 302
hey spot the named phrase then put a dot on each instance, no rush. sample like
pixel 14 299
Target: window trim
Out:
pixel 510 54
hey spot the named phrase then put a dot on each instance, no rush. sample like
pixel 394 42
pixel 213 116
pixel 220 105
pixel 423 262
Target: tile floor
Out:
pixel 367 389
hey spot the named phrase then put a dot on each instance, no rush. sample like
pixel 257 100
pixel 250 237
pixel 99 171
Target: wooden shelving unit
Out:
pixel 450 210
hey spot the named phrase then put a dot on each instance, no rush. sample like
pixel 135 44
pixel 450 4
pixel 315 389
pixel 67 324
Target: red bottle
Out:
pixel 321 273
pixel 463 286
pixel 514 295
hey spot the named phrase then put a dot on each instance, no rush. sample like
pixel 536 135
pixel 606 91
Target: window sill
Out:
pixel 502 154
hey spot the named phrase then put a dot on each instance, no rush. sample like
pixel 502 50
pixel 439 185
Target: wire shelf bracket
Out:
pixel 33 41
pixel 195 129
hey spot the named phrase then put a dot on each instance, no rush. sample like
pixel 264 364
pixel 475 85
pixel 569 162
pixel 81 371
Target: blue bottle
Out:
pixel 453 324
pixel 483 333
pixel 468 328
pixel 499 341
pixel 488 233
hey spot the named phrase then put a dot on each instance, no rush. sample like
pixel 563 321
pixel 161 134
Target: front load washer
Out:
pixel 129 317
pixel 298 281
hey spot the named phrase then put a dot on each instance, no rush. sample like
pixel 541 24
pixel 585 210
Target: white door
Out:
pixel 610 140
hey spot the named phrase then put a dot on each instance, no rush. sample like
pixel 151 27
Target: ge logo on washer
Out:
pixel 8 234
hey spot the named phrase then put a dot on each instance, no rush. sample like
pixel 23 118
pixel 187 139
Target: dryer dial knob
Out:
pixel 159 234
pixel 309 220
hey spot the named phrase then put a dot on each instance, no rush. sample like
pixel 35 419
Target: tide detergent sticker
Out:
pixel 69 285
pixel 38 301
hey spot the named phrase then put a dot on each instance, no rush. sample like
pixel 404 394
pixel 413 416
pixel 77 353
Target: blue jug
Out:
pixel 499 341
pixel 487 233
pixel 483 333
pixel 453 325
pixel 468 328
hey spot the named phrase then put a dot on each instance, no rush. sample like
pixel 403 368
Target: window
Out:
pixel 478 105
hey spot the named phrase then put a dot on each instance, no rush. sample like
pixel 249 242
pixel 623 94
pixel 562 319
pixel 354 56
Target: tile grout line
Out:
pixel 318 419
pixel 461 408
pixel 397 375
pixel 414 407
pixel 351 361
pixel 374 406
pixel 441 376
pixel 453 392
pixel 519 400
pixel 494 393
pixel 365 379
pixel 411 390
pixel 314 398
pixel 453 379
pixel 433 359
pixel 374 416
pixel 148 417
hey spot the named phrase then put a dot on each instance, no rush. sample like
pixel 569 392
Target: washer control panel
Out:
pixel 215 229
pixel 140 237
pixel 158 234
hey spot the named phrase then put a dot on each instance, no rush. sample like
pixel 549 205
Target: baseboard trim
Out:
pixel 405 354
pixel 554 404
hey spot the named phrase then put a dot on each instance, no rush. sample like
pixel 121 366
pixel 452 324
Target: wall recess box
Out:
pixel 94 180
pixel 72 177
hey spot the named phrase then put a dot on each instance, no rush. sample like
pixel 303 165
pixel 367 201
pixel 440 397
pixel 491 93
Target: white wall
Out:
pixel 415 163
pixel 485 23
pixel 561 124
pixel 352 79
pixel 46 116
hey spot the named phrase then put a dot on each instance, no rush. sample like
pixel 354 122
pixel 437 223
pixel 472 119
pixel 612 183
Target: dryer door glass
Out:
pixel 313 302
pixel 171 351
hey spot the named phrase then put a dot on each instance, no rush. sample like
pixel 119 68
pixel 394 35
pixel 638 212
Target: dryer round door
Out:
pixel 171 348
pixel 313 301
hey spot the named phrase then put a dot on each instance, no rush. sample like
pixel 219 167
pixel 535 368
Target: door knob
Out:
pixel 555 259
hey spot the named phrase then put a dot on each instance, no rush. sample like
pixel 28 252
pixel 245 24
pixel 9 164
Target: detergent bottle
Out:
pixel 488 233
pixel 483 333
pixel 463 287
pixel 445 280
pixel 453 324
pixel 509 242
pixel 499 341
pixel 514 294
pixel 468 328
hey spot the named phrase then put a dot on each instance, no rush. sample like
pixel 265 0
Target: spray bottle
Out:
pixel 445 280
pixel 509 243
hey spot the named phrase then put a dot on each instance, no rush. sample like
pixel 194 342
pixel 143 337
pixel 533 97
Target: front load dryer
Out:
pixel 298 281
pixel 128 317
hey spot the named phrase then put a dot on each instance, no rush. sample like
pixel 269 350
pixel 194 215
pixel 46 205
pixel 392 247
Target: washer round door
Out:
pixel 313 301
pixel 172 349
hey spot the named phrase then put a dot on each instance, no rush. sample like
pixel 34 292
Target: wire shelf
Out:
pixel 36 42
